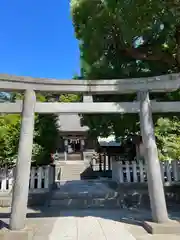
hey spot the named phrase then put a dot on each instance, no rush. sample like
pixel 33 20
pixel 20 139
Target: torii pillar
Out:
pixel 23 165
pixel 155 184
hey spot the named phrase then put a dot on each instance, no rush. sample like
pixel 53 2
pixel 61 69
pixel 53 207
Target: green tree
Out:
pixel 111 30
pixel 45 134
pixel 168 138
pixel 9 135
pixel 69 98
pixel 126 39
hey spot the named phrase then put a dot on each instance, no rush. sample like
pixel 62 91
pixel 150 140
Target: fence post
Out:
pixel 32 177
pixel 141 171
pixel 168 171
pixel 3 184
pixel 175 170
pixel 120 172
pixel 10 178
pixel 47 171
pixel 128 171
pixel 4 180
pixel 134 169
pixel 39 177
pixel 162 170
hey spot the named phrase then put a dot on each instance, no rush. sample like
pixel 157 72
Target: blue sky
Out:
pixel 37 39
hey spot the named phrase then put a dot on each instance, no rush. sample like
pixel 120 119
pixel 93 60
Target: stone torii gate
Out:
pixel 88 88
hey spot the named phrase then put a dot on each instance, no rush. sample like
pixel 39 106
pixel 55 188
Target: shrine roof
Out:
pixel 70 123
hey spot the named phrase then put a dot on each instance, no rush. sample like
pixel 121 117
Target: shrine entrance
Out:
pixel 74 149
pixel 74 146
pixel 144 107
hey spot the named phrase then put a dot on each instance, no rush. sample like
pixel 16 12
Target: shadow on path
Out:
pixel 84 189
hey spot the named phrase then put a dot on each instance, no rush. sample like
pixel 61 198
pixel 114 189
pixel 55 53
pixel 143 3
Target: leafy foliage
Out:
pixel 9 135
pixel 69 98
pixel 45 138
pixel 112 30
pixel 45 132
pixel 128 39
pixel 45 135
pixel 168 138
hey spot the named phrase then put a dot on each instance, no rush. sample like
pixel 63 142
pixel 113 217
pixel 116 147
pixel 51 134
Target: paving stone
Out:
pixel 89 228
pixel 64 228
pixel 115 230
pixel 159 237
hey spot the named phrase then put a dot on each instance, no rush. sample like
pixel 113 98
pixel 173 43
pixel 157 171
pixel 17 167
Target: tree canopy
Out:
pixel 112 31
pixel 127 39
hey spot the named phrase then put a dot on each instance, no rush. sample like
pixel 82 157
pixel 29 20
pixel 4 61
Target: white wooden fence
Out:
pixel 39 178
pixel 101 162
pixel 131 172
pixel 136 172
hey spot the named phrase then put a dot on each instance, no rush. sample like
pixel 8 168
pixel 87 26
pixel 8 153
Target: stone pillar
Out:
pixel 155 185
pixel 23 165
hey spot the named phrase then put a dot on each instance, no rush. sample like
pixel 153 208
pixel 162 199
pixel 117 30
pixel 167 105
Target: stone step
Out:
pixel 69 162
pixel 72 171
pixel 68 174
pixel 74 157
pixel 74 168
pixel 69 178
pixel 83 195
pixel 85 203
pixel 74 164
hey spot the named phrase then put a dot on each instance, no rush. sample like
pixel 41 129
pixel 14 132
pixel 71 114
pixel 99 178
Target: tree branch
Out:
pixel 164 57
pixel 147 51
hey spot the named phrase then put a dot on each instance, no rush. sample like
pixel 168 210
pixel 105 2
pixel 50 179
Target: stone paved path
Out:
pixel 90 225
pixel 89 228
pixel 77 225
pixel 95 225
